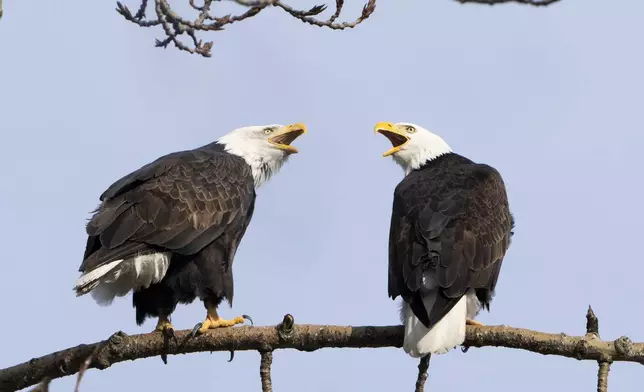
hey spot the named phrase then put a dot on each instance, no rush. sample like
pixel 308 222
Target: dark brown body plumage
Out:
pixel 451 217
pixel 195 204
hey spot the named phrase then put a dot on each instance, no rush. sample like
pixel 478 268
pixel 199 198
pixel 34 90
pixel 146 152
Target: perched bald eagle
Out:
pixel 169 231
pixel 450 228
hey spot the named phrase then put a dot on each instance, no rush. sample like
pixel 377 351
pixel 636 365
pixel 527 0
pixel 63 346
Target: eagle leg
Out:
pixel 164 325
pixel 213 321
pixel 167 329
pixel 474 323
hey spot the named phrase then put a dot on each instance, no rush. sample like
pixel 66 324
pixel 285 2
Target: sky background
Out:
pixel 551 97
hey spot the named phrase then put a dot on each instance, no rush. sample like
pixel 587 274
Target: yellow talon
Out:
pixel 213 321
pixel 474 323
pixel 164 324
pixel 165 327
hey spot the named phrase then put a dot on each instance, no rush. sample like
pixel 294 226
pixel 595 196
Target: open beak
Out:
pixel 397 138
pixel 283 137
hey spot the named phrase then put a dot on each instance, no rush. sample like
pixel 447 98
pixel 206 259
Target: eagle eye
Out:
pixel 410 129
pixel 268 130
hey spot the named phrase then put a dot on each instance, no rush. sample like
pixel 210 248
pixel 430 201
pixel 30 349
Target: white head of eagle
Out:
pixel 169 231
pixel 450 229
pixel 265 148
pixel 413 145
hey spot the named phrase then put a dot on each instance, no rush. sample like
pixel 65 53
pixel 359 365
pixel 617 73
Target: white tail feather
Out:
pixel 95 274
pixel 117 278
pixel 448 333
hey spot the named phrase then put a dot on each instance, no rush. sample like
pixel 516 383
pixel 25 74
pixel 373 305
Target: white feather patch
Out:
pixel 448 333
pixel 473 305
pixel 124 276
pixel 95 274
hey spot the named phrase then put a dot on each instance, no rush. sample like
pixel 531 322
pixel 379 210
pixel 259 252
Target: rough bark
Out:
pixel 423 368
pixel 265 371
pixel 122 347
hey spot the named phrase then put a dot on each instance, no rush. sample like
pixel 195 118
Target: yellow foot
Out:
pixel 164 325
pixel 474 323
pixel 212 323
pixel 216 322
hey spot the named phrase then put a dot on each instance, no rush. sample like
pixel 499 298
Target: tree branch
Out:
pixel 592 331
pixel 122 347
pixel 265 370
pixel 602 376
pixel 423 367
pixel 84 367
pixel 174 25
pixel 534 3
pixel 42 387
pixel 592 323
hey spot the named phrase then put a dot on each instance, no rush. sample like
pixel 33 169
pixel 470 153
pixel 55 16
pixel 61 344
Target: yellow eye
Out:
pixel 267 131
pixel 410 129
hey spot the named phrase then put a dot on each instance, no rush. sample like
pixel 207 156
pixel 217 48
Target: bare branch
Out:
pixel 423 366
pixel 84 367
pixel 42 387
pixel 0 9
pixel 175 25
pixel 265 370
pixel 121 347
pixel 338 9
pixel 592 331
pixel 367 10
pixel 535 3
pixel 602 376
pixel 592 323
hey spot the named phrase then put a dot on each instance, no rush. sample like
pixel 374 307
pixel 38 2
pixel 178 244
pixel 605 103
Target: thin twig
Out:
pixel 85 365
pixel 174 25
pixel 338 9
pixel 81 372
pixel 602 376
pixel 535 3
pixel 592 322
pixel 367 10
pixel 42 387
pixel 265 370
pixel 0 9
pixel 121 347
pixel 423 367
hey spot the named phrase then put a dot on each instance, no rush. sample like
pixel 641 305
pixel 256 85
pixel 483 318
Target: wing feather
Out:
pixel 181 202
pixel 121 229
pixel 452 230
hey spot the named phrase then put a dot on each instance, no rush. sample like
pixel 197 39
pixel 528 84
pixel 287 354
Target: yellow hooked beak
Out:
pixel 283 137
pixel 397 138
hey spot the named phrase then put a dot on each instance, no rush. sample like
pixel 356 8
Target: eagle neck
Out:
pixel 263 164
pixel 421 159
pixel 263 169
pixel 424 147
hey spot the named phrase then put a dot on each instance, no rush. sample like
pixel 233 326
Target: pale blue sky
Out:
pixel 551 97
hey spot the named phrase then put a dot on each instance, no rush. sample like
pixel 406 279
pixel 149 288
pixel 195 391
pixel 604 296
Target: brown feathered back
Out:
pixel 451 221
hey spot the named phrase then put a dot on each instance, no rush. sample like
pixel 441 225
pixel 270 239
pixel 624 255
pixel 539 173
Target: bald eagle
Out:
pixel 169 230
pixel 450 229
